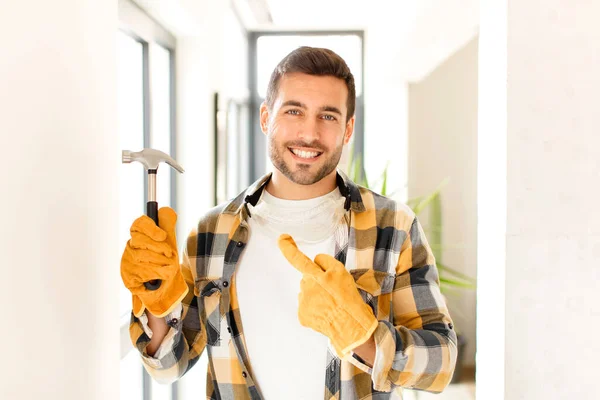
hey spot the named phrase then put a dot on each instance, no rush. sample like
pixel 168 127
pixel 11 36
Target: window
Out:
pixel 145 59
pixel 271 49
pixel 131 135
pixel 131 377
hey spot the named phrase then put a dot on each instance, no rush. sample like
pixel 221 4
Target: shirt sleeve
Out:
pixel 169 319
pixel 418 349
pixel 186 339
pixel 168 342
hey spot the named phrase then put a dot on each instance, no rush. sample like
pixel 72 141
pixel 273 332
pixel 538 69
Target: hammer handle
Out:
pixel 152 212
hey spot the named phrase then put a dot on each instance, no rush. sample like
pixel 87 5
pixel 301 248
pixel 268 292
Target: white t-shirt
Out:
pixel 288 360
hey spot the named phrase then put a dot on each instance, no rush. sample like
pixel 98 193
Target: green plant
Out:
pixel 451 280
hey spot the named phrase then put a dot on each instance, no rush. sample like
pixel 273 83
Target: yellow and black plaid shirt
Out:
pixel 386 252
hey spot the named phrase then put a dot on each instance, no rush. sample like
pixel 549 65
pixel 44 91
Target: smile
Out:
pixel 306 155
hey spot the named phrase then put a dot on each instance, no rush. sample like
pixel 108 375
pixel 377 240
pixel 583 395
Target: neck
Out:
pixel 280 186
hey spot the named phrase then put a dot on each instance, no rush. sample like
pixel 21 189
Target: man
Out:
pixel 335 286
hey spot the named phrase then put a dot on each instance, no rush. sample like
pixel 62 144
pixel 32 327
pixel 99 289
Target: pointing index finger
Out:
pixel 297 258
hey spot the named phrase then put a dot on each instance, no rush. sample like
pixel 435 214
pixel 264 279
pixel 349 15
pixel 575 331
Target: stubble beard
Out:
pixel 302 174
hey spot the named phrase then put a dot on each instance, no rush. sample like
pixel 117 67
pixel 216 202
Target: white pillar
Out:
pixel 553 224
pixel 58 202
pixel 552 234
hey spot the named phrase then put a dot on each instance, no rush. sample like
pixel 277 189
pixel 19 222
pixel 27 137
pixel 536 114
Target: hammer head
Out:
pixel 150 158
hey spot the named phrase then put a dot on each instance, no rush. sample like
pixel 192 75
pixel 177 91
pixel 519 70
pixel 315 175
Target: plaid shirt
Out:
pixel 386 252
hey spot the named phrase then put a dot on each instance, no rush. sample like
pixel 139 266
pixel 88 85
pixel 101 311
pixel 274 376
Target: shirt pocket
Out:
pixel 208 292
pixel 375 287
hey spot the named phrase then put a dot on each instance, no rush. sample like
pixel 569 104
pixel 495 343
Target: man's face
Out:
pixel 307 129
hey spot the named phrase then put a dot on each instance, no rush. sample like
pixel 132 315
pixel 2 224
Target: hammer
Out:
pixel 150 159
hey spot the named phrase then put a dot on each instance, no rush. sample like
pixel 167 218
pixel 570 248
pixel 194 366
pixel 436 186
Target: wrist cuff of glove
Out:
pixel 363 339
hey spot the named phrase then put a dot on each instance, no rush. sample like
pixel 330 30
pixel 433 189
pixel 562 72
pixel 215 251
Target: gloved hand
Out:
pixel 150 254
pixel 329 301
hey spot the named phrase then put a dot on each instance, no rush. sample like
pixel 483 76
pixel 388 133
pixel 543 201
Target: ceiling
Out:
pixel 415 34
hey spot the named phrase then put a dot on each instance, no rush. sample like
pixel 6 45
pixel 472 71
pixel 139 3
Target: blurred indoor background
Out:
pixel 482 113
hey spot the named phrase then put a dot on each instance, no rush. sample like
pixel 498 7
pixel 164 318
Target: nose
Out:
pixel 308 130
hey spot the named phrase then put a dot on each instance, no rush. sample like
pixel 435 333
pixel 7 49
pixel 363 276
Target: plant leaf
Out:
pixel 449 290
pixel 412 203
pixel 435 225
pixel 385 175
pixel 363 172
pixel 457 283
pixel 428 199
pixel 444 268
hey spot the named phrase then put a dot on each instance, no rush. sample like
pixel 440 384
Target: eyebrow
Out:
pixel 295 103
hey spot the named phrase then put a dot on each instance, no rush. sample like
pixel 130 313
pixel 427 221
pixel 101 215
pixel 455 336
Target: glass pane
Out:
pixel 244 137
pixel 233 150
pixel 131 377
pixel 236 153
pixel 130 102
pixel 159 391
pixel 193 383
pixel 160 126
pixel 271 49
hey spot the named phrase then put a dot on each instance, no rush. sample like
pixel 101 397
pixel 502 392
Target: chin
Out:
pixel 304 180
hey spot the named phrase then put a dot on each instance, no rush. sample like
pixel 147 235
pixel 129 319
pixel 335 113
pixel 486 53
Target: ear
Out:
pixel 349 130
pixel 264 117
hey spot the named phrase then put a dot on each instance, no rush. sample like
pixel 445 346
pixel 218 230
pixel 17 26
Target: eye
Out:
pixel 329 117
pixel 293 111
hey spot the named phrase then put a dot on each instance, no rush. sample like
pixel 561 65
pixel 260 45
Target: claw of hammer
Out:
pixel 150 158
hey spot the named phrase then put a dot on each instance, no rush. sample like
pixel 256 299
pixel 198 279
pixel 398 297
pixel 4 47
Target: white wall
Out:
pixel 215 59
pixel 491 202
pixel 194 129
pixel 443 145
pixel 386 113
pixel 59 204
pixel 553 218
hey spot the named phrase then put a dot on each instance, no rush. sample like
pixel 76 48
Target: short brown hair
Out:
pixel 313 61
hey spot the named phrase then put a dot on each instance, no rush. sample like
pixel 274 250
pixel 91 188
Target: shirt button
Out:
pixel 244 374
pixel 229 329
pixel 239 244
pixel 225 284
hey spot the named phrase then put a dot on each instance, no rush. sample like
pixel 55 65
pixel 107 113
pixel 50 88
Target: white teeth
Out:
pixel 305 154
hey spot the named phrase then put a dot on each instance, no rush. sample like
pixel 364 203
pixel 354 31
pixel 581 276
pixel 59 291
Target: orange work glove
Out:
pixel 151 254
pixel 329 301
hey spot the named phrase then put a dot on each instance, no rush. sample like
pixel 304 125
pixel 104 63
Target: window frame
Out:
pixel 136 23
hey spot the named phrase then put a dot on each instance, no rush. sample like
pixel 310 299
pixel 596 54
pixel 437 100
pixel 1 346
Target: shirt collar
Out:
pixel 251 195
